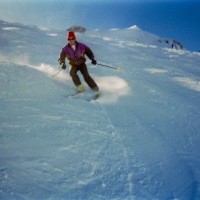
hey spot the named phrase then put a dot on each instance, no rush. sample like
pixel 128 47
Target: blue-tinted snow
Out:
pixel 140 140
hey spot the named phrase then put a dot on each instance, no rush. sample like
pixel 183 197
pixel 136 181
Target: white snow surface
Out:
pixel 139 140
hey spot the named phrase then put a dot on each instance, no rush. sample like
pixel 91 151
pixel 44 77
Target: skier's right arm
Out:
pixel 61 60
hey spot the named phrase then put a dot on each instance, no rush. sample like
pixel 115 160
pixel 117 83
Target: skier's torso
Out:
pixel 77 57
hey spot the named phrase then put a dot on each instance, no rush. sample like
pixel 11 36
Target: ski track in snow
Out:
pixel 129 185
pixel 139 140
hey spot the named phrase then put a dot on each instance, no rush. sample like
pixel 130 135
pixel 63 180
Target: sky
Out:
pixel 174 19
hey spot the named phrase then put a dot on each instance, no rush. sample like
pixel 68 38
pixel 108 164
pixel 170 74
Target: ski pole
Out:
pixel 57 72
pixel 117 68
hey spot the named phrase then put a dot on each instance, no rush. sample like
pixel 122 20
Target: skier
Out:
pixel 75 53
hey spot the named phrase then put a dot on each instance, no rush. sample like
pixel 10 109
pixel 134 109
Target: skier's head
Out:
pixel 71 36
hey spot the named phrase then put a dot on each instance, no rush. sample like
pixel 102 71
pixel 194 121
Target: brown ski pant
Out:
pixel 73 70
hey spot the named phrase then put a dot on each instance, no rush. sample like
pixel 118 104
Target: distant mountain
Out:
pixel 78 29
pixel 28 32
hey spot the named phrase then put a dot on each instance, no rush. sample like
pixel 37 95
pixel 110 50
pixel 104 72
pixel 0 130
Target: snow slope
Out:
pixel 140 140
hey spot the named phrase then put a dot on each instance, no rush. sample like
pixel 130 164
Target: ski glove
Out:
pixel 94 62
pixel 63 65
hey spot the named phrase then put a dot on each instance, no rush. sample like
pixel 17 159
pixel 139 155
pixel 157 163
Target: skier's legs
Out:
pixel 88 79
pixel 73 73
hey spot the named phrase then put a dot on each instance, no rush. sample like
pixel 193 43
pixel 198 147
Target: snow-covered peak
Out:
pixel 133 27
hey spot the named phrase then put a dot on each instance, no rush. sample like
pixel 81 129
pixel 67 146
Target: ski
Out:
pixel 95 97
pixel 75 95
pixel 85 96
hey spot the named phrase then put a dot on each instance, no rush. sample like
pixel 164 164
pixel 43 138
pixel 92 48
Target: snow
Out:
pixel 133 27
pixel 52 34
pixel 139 140
pixel 10 28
